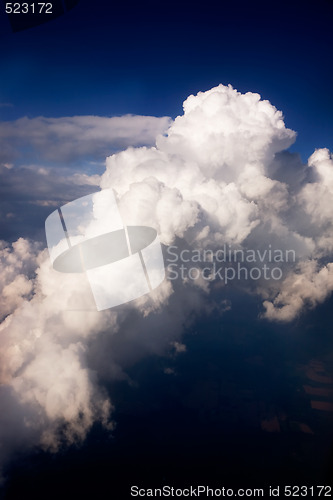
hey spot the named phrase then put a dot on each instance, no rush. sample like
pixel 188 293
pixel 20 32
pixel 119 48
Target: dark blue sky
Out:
pixel 109 59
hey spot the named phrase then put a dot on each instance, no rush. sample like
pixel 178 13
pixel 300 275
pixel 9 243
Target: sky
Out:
pixel 133 58
pixel 213 125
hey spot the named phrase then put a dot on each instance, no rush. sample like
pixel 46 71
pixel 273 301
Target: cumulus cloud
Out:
pixel 55 347
pixel 316 199
pixel 311 282
pixel 222 172
pixel 210 165
pixel 17 268
pixel 219 176
pixel 43 350
pixel 307 285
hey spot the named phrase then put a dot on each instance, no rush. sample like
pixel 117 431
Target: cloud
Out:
pixel 311 282
pixel 316 199
pixel 56 157
pixel 219 176
pixel 43 351
pixel 69 139
pixel 18 264
pixel 222 172
pixel 235 129
pixel 306 286
pixel 55 347
pixel 211 166
pixel 28 194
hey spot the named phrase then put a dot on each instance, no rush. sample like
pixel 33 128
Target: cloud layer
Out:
pixel 219 176
pixel 60 159
pixel 68 139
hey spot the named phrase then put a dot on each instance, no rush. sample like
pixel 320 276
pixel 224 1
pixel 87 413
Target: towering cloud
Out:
pixel 221 173
pixel 218 178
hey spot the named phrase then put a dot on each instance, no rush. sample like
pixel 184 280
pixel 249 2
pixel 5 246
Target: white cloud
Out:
pixel 43 351
pixel 311 282
pixel 54 346
pixel 213 179
pixel 316 199
pixel 17 266
pixel 219 176
pixel 306 286
pixel 222 130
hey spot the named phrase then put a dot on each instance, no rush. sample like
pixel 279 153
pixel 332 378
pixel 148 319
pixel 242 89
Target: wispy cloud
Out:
pixel 69 139
pixel 28 148
pixel 27 195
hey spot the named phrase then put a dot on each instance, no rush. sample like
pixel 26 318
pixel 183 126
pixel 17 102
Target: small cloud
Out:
pixel 45 203
pixel 179 347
